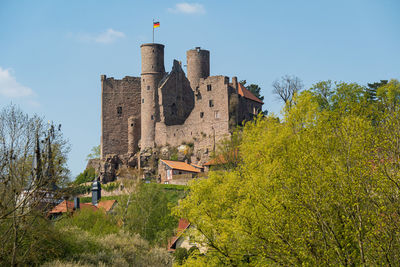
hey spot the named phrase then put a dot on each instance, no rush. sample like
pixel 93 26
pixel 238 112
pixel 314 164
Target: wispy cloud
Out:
pixel 188 8
pixel 9 87
pixel 107 37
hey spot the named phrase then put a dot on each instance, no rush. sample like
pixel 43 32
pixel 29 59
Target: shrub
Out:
pixel 87 175
pixel 148 212
pixel 111 186
pixel 180 255
pixel 95 222
pixel 117 249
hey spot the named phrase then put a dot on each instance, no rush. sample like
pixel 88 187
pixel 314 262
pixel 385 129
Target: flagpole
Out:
pixel 153 31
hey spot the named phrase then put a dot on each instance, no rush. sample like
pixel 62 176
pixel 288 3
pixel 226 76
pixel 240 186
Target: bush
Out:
pixel 95 222
pixel 87 175
pixel 180 255
pixel 111 186
pixel 148 213
pixel 79 189
pixel 193 250
pixel 118 249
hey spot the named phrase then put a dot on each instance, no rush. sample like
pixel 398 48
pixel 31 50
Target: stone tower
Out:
pixel 198 65
pixel 152 72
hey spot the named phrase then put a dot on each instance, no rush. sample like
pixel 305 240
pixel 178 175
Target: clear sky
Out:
pixel 52 53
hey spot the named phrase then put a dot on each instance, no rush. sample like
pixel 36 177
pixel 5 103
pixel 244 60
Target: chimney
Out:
pixel 77 205
pixel 96 192
pixel 235 83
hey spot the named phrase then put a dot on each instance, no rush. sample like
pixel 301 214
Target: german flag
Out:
pixel 156 24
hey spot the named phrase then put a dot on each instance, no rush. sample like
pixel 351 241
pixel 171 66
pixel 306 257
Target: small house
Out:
pixel 184 238
pixel 176 172
pixel 72 206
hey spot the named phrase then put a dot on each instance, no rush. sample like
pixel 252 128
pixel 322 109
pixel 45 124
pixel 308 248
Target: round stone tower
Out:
pixel 198 65
pixel 152 72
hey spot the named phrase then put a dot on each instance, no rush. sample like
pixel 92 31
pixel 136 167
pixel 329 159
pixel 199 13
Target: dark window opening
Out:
pixel 152 117
pixel 131 124
pixel 119 110
pixel 208 87
pixel 142 100
pixel 148 87
pixel 211 103
pixel 201 114
pixel 174 109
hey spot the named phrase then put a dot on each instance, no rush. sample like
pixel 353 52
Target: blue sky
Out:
pixel 52 53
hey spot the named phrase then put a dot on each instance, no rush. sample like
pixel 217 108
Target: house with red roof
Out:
pixel 69 207
pixel 186 237
pixel 177 172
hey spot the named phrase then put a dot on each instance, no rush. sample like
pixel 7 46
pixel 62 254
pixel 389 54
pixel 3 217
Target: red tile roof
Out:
pixel 182 226
pixel 68 206
pixel 196 166
pixel 178 165
pixel 247 94
pixel 107 205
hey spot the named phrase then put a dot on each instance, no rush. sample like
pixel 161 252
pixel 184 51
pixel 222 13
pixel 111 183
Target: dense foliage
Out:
pixel 320 188
pixel 87 175
pixel 147 212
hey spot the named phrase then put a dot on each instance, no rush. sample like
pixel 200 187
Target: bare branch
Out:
pixel 286 88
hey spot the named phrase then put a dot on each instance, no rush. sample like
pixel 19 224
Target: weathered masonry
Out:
pixel 160 109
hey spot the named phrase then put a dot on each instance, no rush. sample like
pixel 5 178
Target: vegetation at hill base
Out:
pixel 318 188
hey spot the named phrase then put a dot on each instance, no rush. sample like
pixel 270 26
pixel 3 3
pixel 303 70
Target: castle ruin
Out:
pixel 161 109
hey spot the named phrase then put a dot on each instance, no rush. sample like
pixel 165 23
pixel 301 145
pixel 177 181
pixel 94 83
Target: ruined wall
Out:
pixel 133 134
pixel 120 100
pixel 207 124
pixel 176 98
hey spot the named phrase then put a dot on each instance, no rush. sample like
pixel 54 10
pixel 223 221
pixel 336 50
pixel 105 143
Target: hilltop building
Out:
pixel 159 109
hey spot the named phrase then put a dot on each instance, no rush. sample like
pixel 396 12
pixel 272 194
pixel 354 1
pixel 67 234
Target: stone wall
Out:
pixel 207 124
pixel 176 97
pixel 120 101
pixel 248 109
pixel 161 109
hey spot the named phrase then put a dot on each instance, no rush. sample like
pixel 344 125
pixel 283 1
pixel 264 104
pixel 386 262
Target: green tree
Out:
pixel 371 90
pixel 320 188
pixel 254 89
pixel 95 153
pixel 32 166
pixel 86 176
pixel 147 212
